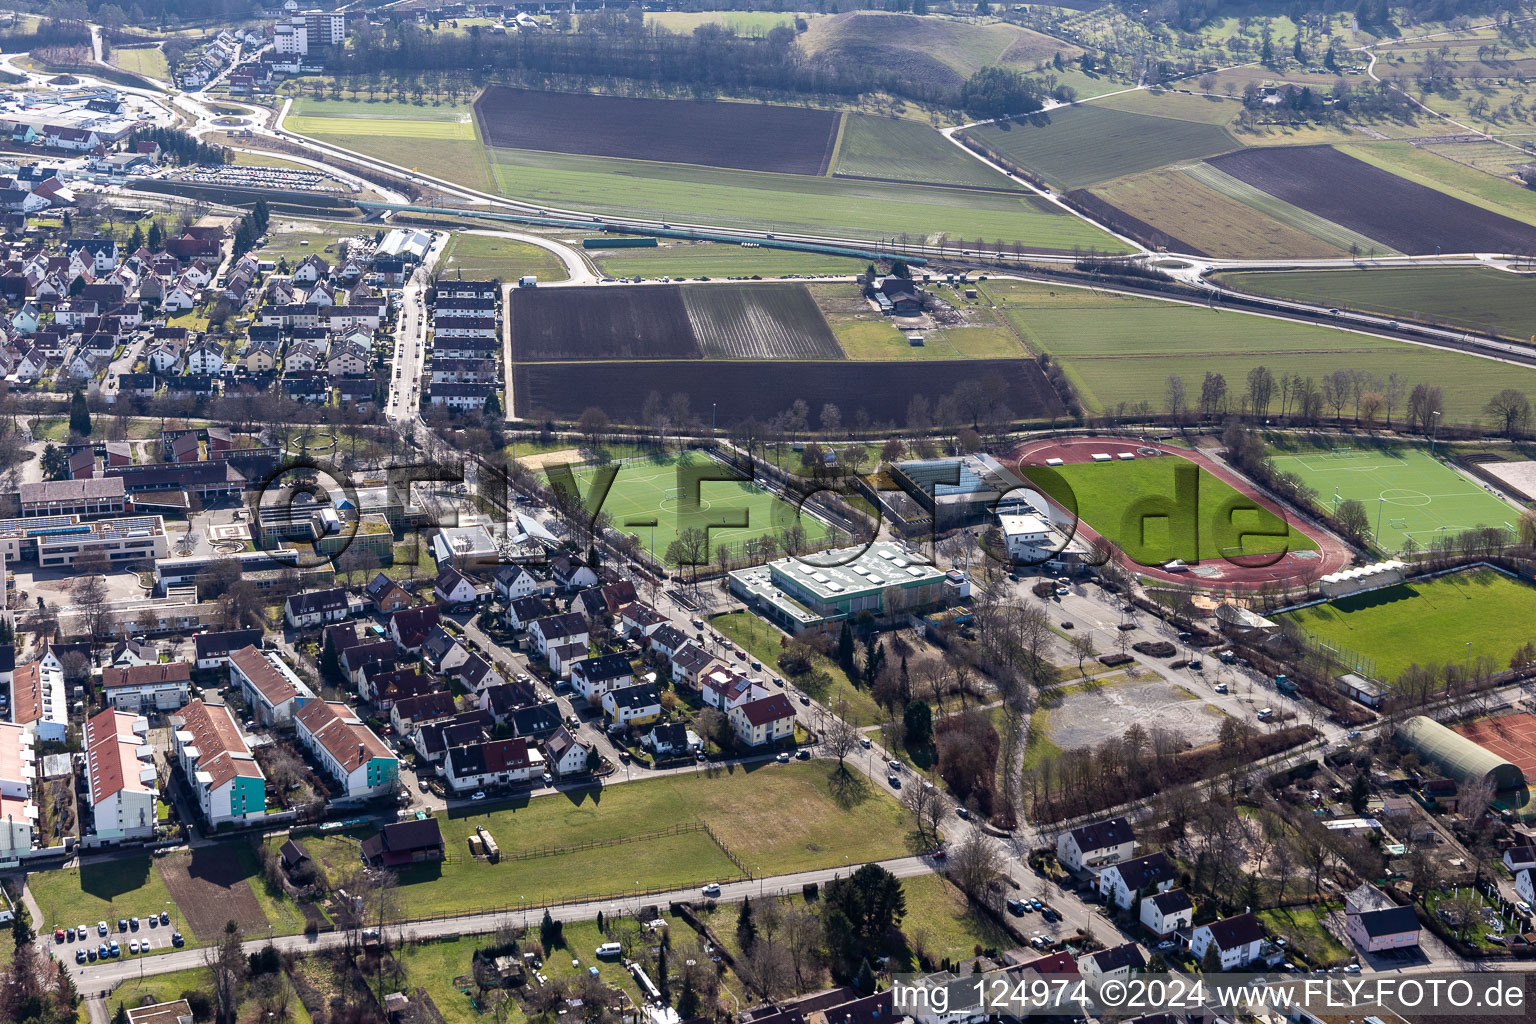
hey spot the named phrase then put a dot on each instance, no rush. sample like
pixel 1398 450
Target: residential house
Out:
pixel 355 661
pixel 120 776
pixel 690 662
pixel 1164 913
pixel 724 688
pixel 474 674
pixel 594 677
pixel 1386 928
pixel 218 764
pixel 147 687
pixel 566 754
pixel 434 739
pixel 1117 962
pixel 305 611
pixel 441 650
pixel 1237 939
pixel 638 621
pixel 1525 885
pixel 1091 846
pixel 272 689
pixel 632 705
pixel 386 595
pixel 668 739
pixel 409 712
pixel 383 686
pixel 767 720
pixel 346 749
pixel 521 611
pixel 1518 858
pixel 454 589
pixel 409 627
pixel 503 699
pixel 512 582
pixel 571 572
pixel 399 843
pixel 490 763
pixel 1123 883
pixel 535 720
pixel 213 649
pixel 207 356
pixel 567 628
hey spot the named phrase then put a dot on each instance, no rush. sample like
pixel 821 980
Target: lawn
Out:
pixel 942 923
pixel 646 490
pixel 776 818
pixel 714 259
pixel 434 966
pixel 1427 622
pixel 1303 929
pixel 892 147
pixel 478 257
pixel 1475 298
pixel 1406 492
pixel 761 639
pixel 791 202
pixel 163 988
pixel 294 241
pixel 148 61
pixel 127 887
pixel 1110 497
pixel 389 119
pixel 463 162
pixel 1074 146
pixel 1118 348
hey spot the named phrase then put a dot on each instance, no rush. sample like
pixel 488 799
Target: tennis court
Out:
pixel 1404 490
pixel 652 498
pixel 1512 737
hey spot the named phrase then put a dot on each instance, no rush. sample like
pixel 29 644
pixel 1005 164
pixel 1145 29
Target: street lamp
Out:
pixel 1434 432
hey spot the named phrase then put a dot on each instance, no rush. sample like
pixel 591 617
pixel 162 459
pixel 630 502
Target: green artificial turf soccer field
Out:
pixel 1428 622
pixel 1405 490
pixel 1111 497
pixel 647 489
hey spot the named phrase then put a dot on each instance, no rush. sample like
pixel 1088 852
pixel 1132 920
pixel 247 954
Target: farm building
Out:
pixel 1459 757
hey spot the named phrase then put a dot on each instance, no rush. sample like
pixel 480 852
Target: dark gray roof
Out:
pixel 1391 921
pixel 1239 930
pixel 1153 869
pixel 1102 834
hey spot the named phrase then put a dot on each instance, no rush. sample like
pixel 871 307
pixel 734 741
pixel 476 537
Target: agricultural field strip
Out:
pixel 752 136
pixel 1364 198
pixel 1477 298
pixel 321 127
pixel 884 147
pixel 768 321
pixel 842 207
pixel 1322 229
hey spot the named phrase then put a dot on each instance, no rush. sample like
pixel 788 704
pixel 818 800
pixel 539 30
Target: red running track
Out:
pixel 1292 570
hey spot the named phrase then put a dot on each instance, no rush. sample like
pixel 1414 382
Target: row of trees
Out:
pixel 712 59
pixel 178 146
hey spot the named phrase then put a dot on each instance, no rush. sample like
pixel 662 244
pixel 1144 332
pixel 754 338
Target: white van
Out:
pixel 609 949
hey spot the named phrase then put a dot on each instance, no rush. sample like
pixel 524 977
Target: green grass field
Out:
pixel 943 923
pixel 142 60
pixel 762 640
pixel 890 147
pixel 99 892
pixel 1472 297
pixel 1410 493
pixel 480 257
pixel 1109 497
pixel 647 489
pixel 1118 348
pixel 790 202
pixel 714 259
pixel 1089 143
pixel 395 132
pixel 1429 622
pixel 776 819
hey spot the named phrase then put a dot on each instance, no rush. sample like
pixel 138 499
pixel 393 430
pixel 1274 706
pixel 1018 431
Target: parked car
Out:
pixel 479 794
pixel 80 956
pixel 894 780
pixel 165 918
pixel 803 754
pixel 101 927
pixel 1016 908
pixel 177 940
pixel 783 757
pixel 864 742
pixel 58 935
